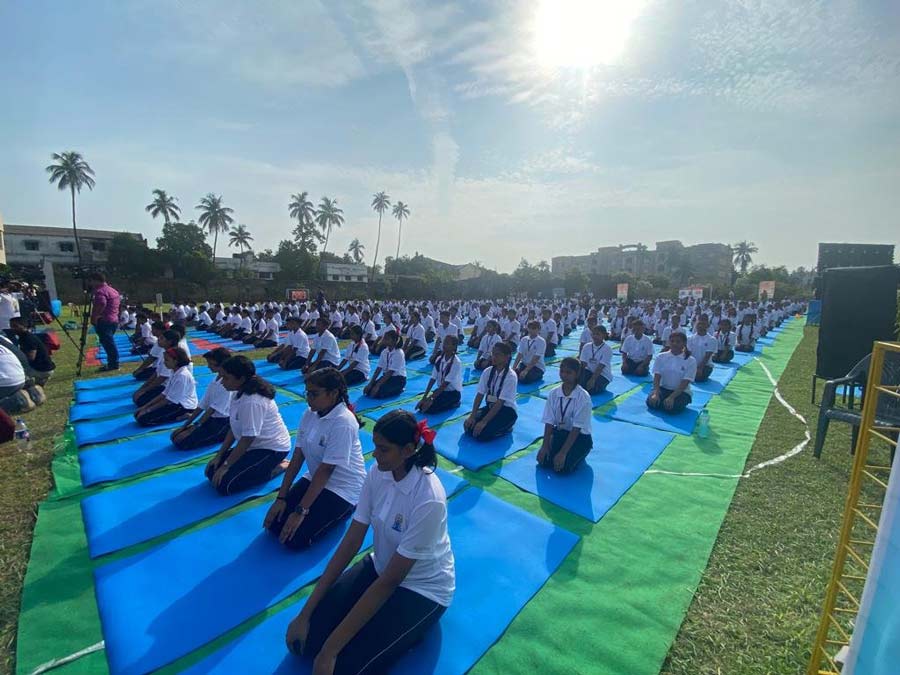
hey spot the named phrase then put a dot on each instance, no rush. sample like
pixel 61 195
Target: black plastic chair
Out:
pixel 886 414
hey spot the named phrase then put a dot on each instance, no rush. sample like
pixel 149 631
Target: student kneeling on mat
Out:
pixel 673 372
pixel 355 365
pixel 637 351
pixel 497 387
pixel 155 384
pixel 325 351
pixel 212 425
pixel 703 347
pixel 257 442
pixel 389 378
pixel 447 375
pixel 596 361
pixel 178 398
pixel 567 422
pixel 529 364
pixel 364 618
pixel 328 441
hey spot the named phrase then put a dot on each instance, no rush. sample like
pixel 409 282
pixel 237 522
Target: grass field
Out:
pixel 757 606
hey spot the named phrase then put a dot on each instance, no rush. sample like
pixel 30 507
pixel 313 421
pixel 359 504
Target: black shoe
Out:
pixel 106 369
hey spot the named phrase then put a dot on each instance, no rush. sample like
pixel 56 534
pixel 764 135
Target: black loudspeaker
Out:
pixel 851 255
pixel 43 301
pixel 859 306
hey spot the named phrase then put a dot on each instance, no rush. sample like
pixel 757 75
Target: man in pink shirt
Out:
pixel 105 317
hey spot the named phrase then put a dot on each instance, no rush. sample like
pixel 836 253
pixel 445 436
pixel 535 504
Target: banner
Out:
pixel 621 291
pixel 695 292
pixel 298 294
pixel 767 287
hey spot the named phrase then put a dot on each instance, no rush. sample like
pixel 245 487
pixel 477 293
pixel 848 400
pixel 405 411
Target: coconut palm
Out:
pixel 163 205
pixel 743 254
pixel 381 202
pixel 72 172
pixel 214 217
pixel 400 212
pixel 357 250
pixel 328 215
pixel 240 237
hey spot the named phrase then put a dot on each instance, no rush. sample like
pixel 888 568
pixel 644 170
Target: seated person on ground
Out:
pixel 155 384
pixel 442 330
pixel 178 398
pixel 550 333
pixel 325 352
pixel 724 343
pixel 673 372
pixel 480 325
pixel 370 334
pixel 257 442
pixel 15 388
pixel 328 441
pixel 208 424
pixel 362 619
pixel 497 388
pixel 40 365
pixel 637 351
pixel 486 346
pixel 567 422
pixel 387 326
pixel 745 336
pixel 294 351
pixel 269 335
pixel 416 346
pixel 148 366
pixel 529 365
pixel 703 347
pixel 389 378
pixel 512 331
pixel 596 362
pixel 447 375
pixel 355 365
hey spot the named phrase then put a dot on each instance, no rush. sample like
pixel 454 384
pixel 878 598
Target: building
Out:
pixel 455 272
pixel 2 243
pixel 247 263
pixel 347 272
pixel 710 263
pixel 33 244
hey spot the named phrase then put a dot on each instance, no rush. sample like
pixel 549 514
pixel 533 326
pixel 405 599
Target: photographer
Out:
pixel 105 317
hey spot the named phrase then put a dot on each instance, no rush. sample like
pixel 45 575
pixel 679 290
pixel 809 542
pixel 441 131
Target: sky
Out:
pixel 511 129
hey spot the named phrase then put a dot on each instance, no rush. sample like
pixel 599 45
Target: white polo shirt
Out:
pixel 393 360
pixel 673 369
pixel 725 341
pixel 598 357
pixel 216 398
pixel 258 416
pixel 531 347
pixel 369 332
pixel 327 343
pixel 181 388
pixel 746 335
pixel 273 327
pixel 333 439
pixel 499 386
pixel 12 374
pixel 299 340
pixel 487 344
pixel 9 308
pixel 451 373
pixel 565 412
pixel 637 349
pixel 701 345
pixel 513 331
pixel 416 335
pixel 409 517
pixel 357 354
pixel 549 331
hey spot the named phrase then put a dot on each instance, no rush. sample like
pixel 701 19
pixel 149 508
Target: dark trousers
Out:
pixel 322 363
pixel 145 374
pixel 745 348
pixel 353 376
pixel 253 468
pixel 579 450
pixel 295 363
pixel 482 363
pixel 550 350
pixel 600 386
pixel 630 367
pixel 533 375
pixel 392 387
pixel 681 401
pixel 106 331
pixel 414 352
pixel 212 431
pixel 265 344
pixel 446 400
pixel 401 622
pixel 501 425
pixel 325 513
pixel 149 395
pixel 168 412
pixel 723 356
pixel 703 373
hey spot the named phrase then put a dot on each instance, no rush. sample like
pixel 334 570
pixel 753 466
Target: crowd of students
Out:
pixel 361 618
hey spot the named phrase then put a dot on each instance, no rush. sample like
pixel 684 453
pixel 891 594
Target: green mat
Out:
pixel 614 606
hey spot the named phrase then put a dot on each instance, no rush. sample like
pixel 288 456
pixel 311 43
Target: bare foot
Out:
pixel 280 469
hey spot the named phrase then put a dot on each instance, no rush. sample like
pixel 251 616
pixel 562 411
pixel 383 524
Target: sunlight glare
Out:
pixel 583 33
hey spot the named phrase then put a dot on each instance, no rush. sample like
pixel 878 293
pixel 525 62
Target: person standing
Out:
pixel 105 317
pixel 9 308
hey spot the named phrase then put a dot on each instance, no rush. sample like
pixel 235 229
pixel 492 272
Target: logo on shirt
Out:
pixel 398 523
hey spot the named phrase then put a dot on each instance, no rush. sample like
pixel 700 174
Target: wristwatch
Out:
pixel 302 511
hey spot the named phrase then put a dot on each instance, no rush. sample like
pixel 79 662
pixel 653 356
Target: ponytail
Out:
pixel 330 379
pixel 400 428
pixel 241 366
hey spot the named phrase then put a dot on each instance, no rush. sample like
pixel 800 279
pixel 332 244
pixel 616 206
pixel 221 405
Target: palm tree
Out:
pixel 302 209
pixel 381 202
pixel 71 171
pixel 357 250
pixel 743 254
pixel 400 212
pixel 328 215
pixel 240 237
pixel 214 217
pixel 163 205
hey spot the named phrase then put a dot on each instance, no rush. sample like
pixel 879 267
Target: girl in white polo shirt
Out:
pixel 745 336
pixel 486 346
pixel 497 388
pixel 567 422
pixel 442 330
pixel 529 365
pixel 389 378
pixel 208 424
pixel 362 619
pixel 637 351
pixel 447 375
pixel 325 352
pixel 257 443
pixel 724 342
pixel 416 346
pixel 673 372
pixel 355 365
pixel 179 395
pixel 596 362
pixel 295 350
pixel 703 347
pixel 328 441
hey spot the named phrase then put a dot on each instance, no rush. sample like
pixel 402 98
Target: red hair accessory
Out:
pixel 424 432
pixel 351 407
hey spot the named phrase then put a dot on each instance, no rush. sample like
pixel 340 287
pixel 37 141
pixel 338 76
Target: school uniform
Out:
pixel 218 399
pixel 529 348
pixel 480 324
pixel 428 325
pixel 699 346
pixel 369 332
pixel 745 338
pixel 357 355
pixel 254 415
pixel 512 334
pixel 634 351
pixel 449 372
pixel 408 517
pixel 325 439
pixel 483 359
pixel 673 370
pixel 392 361
pixel 270 329
pixel 298 344
pixel 416 345
pixel 564 413
pixel 181 399
pixel 549 332
pixel 724 347
pixel 596 359
pixel 497 386
pixel 328 354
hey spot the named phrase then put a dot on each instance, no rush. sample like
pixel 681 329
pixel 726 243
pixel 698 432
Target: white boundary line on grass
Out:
pixel 56 663
pixel 797 449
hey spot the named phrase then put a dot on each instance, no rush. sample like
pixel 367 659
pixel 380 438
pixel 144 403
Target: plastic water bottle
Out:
pixel 23 436
pixel 703 424
pixel 467 373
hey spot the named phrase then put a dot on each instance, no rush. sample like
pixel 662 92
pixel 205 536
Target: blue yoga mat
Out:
pixel 122 405
pixel 414 385
pixel 721 376
pixel 551 376
pixel 161 604
pixel 126 389
pixel 489 594
pixel 465 407
pixel 619 385
pixel 621 454
pixel 114 461
pixel 455 445
pixel 634 409
pixel 103 382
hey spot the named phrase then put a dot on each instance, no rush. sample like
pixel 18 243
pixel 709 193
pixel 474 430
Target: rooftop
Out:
pixel 50 231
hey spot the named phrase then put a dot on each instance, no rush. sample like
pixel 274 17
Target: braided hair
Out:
pixel 330 379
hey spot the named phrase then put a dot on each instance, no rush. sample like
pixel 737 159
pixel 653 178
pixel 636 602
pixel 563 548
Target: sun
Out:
pixel 583 33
